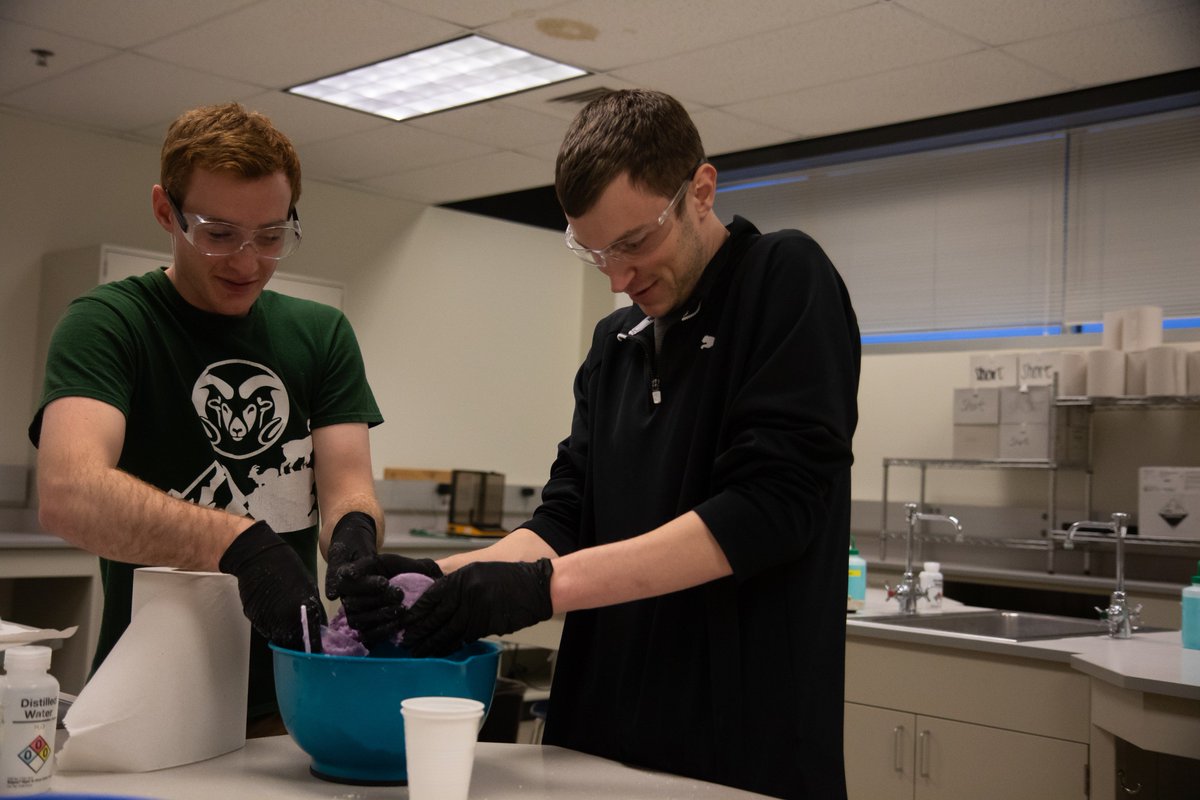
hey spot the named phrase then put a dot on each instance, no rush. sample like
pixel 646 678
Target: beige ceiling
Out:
pixel 752 72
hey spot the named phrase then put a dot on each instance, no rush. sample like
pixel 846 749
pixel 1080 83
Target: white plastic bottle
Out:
pixel 932 582
pixel 28 716
pixel 1191 613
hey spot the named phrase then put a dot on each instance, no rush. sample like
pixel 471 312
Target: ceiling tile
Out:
pixel 601 36
pixel 149 91
pixel 497 124
pixel 383 151
pixel 860 42
pixel 472 13
pixel 975 80
pixel 305 120
pixel 722 132
pixel 304 40
pixel 117 23
pixel 1013 20
pixel 495 173
pixel 543 100
pixel 1123 50
pixel 19 67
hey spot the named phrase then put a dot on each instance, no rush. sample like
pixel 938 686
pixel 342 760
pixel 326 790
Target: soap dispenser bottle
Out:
pixel 1191 612
pixel 856 593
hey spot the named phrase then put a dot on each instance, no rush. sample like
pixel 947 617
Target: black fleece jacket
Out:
pixel 738 681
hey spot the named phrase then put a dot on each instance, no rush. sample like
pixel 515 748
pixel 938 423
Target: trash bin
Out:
pixel 504 717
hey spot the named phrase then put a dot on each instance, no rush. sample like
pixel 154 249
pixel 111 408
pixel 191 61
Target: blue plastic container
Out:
pixel 344 711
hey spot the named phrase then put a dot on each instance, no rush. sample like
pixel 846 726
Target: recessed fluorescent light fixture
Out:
pixel 457 73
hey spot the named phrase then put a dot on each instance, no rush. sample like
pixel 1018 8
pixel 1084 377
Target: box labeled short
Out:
pixel 1030 404
pixel 993 370
pixel 976 441
pixel 1169 502
pixel 1024 440
pixel 976 406
pixel 1043 368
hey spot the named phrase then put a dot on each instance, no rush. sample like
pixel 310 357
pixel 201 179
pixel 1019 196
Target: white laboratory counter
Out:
pixel 1149 662
pixel 276 769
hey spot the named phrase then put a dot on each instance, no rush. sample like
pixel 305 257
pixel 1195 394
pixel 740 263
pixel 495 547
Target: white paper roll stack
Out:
pixel 1166 371
pixel 1105 373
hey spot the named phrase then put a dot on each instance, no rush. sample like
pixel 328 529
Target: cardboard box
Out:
pixel 976 441
pixel 1043 367
pixel 976 406
pixel 1169 502
pixel 1031 404
pixel 1024 440
pixel 993 371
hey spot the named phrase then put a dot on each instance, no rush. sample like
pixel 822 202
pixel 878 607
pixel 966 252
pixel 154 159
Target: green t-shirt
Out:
pixel 218 411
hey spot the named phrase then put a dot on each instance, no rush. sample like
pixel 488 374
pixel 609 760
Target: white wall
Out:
pixel 470 327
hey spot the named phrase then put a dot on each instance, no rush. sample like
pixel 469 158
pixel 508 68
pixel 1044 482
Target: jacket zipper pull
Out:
pixel 656 390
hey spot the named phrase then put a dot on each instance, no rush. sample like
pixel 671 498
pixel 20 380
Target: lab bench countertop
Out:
pixel 1152 662
pixel 274 768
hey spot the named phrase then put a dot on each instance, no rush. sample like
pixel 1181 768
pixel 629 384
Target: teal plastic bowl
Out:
pixel 344 711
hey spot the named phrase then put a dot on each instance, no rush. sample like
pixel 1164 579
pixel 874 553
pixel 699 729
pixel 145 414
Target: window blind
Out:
pixel 1134 221
pixel 1028 231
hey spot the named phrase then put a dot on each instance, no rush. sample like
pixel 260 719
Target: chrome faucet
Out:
pixel 1122 620
pixel 906 592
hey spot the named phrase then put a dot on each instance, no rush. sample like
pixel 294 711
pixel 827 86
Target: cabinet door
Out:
pixel 878 746
pixel 958 759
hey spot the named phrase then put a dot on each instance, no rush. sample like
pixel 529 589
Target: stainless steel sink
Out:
pixel 1013 626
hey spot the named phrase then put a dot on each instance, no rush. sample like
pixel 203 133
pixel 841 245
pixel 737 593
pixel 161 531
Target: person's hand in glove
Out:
pixel 274 584
pixel 353 539
pixel 483 598
pixel 374 606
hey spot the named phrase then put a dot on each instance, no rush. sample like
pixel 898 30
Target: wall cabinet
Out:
pixel 930 723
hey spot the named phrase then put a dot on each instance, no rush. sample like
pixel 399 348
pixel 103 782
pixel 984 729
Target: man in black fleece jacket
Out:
pixel 695 525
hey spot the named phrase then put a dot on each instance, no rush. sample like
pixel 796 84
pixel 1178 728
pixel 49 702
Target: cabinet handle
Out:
pixel 1125 787
pixel 923 753
pixel 898 748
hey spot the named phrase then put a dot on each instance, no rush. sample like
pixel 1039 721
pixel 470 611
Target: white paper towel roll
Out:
pixel 1165 371
pixel 1141 328
pixel 1105 373
pixel 173 689
pixel 1135 374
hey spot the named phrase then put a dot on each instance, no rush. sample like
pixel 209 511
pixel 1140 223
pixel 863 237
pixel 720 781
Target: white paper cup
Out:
pixel 439 745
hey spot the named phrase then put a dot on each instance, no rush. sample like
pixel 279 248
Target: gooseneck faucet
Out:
pixel 906 592
pixel 1122 620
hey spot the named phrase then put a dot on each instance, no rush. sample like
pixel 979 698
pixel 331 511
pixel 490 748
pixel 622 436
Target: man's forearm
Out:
pixel 111 513
pixel 520 545
pixel 678 555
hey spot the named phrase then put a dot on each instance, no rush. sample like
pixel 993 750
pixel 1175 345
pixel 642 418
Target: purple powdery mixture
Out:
pixel 339 639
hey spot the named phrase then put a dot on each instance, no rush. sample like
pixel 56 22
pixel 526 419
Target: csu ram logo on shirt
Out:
pixel 244 409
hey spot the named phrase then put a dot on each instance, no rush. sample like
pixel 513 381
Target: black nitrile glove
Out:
pixel 274 584
pixel 373 606
pixel 353 539
pixel 484 598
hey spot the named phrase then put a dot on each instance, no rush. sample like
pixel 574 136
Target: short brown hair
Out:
pixel 225 138
pixel 646 134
